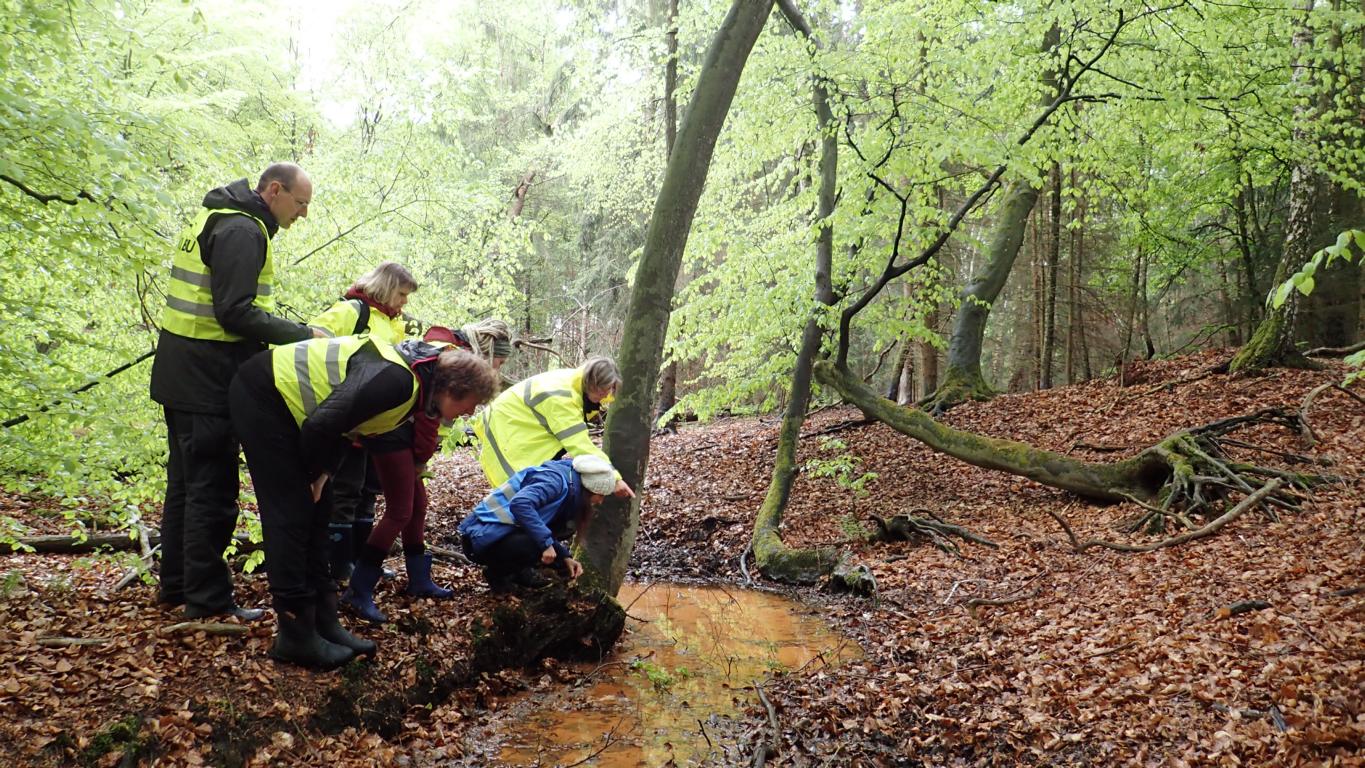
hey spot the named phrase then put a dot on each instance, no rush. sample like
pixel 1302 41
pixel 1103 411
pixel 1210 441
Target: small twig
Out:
pixel 764 748
pixel 977 602
pixel 66 642
pixel 643 592
pixel 1349 591
pixel 1075 545
pixel 607 741
pixel 702 727
pixel 211 627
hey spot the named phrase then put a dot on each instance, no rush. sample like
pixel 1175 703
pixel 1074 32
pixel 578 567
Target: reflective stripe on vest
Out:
pixel 515 431
pixel 189 296
pixel 496 505
pixel 306 372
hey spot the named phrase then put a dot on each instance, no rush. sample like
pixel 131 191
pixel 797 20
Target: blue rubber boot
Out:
pixel 419 578
pixel 359 597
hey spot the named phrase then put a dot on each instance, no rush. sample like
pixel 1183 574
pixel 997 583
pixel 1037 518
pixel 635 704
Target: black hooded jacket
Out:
pixel 193 374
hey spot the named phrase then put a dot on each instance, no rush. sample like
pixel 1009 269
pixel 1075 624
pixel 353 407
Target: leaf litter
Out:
pixel 1245 648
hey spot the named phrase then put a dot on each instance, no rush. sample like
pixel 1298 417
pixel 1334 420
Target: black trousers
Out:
pixel 293 525
pixel 200 512
pixel 506 556
pixel 352 488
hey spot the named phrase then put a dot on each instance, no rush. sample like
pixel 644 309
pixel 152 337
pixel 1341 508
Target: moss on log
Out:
pixel 1141 476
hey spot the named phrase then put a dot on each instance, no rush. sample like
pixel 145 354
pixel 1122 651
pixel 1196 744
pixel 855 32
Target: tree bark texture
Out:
pixel 1272 343
pixel 611 537
pixel 668 386
pixel 963 379
pixel 774 558
pixel 1054 257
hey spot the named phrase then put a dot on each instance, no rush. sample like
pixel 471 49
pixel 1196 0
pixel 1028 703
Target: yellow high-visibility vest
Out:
pixel 341 317
pixel 189 298
pixel 532 421
pixel 306 372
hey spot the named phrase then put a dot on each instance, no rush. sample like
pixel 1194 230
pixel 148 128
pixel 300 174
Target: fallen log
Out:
pixel 117 542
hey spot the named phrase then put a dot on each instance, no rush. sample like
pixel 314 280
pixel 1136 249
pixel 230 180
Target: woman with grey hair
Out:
pixel 546 417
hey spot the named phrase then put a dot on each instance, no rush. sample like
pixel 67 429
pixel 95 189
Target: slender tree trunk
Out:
pixel 668 386
pixel 926 377
pixel 1054 257
pixel 774 558
pixel 1073 290
pixel 895 388
pixel 606 548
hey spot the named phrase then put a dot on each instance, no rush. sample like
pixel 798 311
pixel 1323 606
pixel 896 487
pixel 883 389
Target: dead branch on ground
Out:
pixel 1305 429
pixel 209 627
pixel 1257 497
pixel 67 642
pixel 937 531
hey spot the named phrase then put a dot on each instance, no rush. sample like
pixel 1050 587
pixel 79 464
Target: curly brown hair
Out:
pixel 460 374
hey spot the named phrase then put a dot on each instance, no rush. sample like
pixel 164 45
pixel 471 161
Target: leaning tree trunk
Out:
pixel 607 543
pixel 1186 472
pixel 774 558
pixel 963 380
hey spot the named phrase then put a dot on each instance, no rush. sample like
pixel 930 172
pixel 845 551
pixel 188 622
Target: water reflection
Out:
pixel 694 659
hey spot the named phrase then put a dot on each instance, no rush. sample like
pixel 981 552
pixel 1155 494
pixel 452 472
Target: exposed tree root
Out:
pixel 1249 502
pixel 1306 429
pixel 936 531
pixel 958 387
pixel 977 602
pixel 1335 351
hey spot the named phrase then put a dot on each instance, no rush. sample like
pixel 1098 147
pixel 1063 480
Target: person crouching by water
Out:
pixel 521 524
pixel 296 408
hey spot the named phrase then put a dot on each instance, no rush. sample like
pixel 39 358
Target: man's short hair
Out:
pixel 285 173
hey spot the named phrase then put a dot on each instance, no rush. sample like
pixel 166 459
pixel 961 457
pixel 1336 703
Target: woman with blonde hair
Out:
pixel 489 338
pixel 374 305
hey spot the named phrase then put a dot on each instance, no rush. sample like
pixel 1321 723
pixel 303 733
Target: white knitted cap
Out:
pixel 597 473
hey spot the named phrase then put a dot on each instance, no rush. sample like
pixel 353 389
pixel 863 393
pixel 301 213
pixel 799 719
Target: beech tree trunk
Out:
pixel 1054 257
pixel 963 379
pixel 668 386
pixel 1272 343
pixel 608 542
pixel 774 558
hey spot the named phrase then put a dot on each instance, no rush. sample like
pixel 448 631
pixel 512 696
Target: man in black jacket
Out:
pixel 219 312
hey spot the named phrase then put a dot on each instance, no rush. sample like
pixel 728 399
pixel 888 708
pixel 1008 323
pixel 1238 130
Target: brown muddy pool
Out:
pixel 690 661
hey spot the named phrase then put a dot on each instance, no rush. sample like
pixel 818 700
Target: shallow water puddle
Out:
pixel 694 658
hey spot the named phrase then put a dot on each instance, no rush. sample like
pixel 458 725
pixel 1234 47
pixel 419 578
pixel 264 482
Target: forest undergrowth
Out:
pixel 1245 648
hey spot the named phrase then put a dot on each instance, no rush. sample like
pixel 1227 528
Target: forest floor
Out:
pixel 1097 658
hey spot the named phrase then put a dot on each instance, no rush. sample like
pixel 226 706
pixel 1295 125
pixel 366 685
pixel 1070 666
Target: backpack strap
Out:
pixel 362 319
